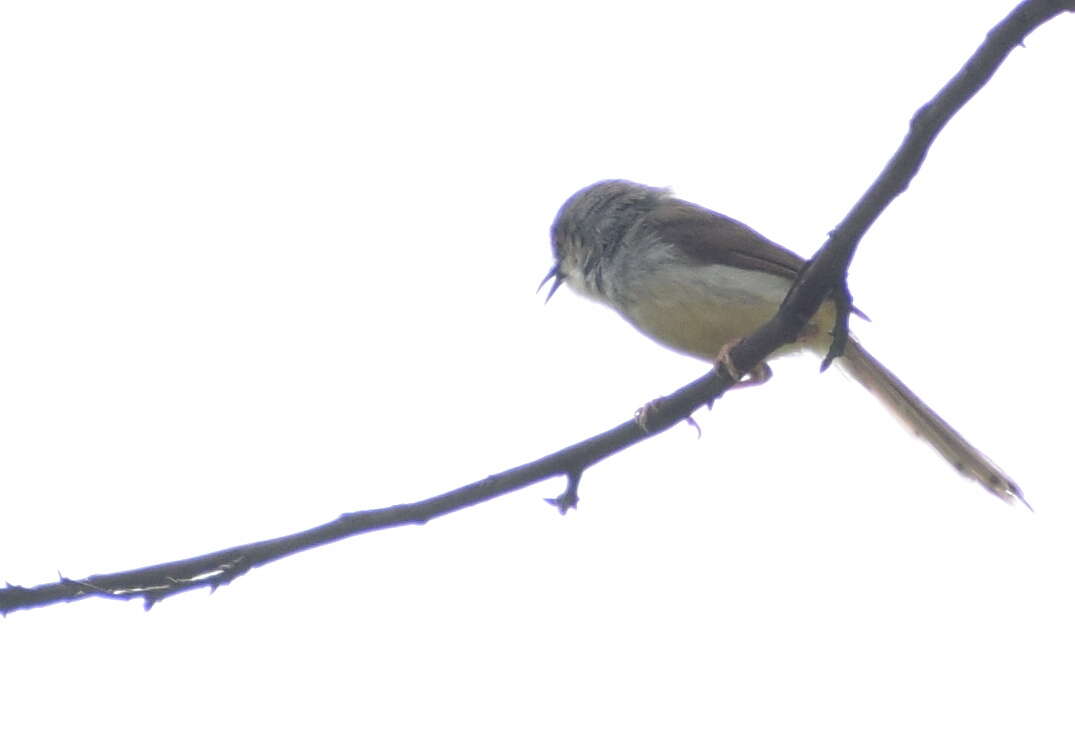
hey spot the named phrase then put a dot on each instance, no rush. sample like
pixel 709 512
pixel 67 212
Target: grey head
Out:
pixel 590 229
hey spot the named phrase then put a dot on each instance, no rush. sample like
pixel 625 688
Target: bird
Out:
pixel 698 281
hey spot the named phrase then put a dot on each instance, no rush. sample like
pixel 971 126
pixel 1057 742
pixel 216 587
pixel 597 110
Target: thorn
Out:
pixel 841 330
pixel 690 420
pixel 569 499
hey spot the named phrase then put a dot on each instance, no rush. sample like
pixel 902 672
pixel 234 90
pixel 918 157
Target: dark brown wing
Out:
pixel 710 237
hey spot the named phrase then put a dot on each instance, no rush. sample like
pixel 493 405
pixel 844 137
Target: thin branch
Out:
pixel 824 278
pixel 827 271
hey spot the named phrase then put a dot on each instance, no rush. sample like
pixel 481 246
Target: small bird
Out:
pixel 697 282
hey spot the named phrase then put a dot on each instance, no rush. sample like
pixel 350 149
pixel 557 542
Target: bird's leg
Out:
pixel 759 375
pixel 648 411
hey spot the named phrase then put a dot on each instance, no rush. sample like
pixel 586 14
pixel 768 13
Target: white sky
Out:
pixel 263 263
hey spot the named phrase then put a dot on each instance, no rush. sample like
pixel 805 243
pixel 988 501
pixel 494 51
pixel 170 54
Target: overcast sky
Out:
pixel 264 263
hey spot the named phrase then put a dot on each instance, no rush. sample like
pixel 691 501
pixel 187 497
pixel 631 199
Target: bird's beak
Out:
pixel 557 279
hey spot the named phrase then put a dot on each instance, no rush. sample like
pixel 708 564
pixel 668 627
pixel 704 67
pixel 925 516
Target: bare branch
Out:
pixel 827 271
pixel 825 277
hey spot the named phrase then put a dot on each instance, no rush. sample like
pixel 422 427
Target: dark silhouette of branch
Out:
pixel 825 277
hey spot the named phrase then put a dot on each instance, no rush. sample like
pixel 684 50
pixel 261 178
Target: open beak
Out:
pixel 557 279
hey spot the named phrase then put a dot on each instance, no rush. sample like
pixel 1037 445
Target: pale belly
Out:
pixel 698 312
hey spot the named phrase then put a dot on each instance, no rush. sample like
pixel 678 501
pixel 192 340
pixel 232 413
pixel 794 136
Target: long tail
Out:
pixel 924 422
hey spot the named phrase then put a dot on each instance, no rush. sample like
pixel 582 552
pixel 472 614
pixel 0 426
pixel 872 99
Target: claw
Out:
pixel 644 414
pixel 759 375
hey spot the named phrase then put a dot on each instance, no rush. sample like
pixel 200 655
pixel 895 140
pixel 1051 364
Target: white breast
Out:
pixel 698 310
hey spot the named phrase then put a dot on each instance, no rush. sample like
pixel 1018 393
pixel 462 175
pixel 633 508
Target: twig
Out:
pixel 824 278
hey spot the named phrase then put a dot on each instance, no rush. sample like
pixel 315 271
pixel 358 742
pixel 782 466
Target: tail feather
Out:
pixel 924 422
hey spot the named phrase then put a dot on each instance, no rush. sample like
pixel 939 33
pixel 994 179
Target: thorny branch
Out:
pixel 823 278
